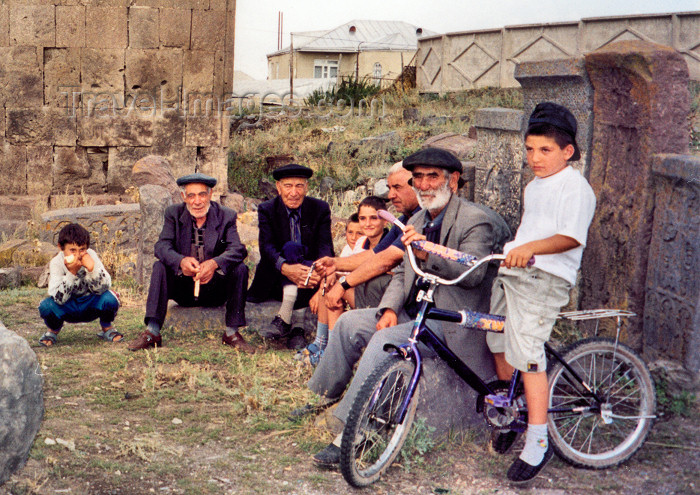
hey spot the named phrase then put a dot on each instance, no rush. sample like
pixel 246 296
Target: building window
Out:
pixel 324 69
pixel 377 72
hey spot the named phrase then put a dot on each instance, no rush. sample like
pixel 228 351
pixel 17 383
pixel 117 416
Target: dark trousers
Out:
pixel 80 309
pixel 229 289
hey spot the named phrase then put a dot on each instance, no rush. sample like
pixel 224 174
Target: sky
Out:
pixel 256 20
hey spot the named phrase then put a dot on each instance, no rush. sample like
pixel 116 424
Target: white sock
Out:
pixel 289 297
pixel 536 443
pixel 338 439
pixel 231 331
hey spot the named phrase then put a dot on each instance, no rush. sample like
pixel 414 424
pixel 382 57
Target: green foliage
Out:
pixel 418 443
pixel 349 90
pixel 681 404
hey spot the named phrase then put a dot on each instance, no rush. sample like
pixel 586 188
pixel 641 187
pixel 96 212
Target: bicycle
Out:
pixel 601 395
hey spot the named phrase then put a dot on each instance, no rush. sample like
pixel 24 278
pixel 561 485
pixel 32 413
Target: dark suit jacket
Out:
pixel 273 222
pixel 221 241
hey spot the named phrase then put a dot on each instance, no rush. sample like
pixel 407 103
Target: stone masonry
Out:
pixel 88 88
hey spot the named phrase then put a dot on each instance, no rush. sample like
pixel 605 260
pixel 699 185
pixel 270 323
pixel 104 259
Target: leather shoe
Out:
pixel 146 340
pixel 328 458
pixel 236 340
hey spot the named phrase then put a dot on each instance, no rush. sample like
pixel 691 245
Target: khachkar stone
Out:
pixel 641 105
pixel 111 227
pixel 21 401
pixel 564 82
pixel 672 306
pixel 500 162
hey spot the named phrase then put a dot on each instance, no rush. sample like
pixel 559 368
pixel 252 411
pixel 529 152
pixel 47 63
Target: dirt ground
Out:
pixel 198 418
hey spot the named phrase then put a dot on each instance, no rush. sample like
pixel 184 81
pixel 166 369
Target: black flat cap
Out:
pixel 433 157
pixel 559 117
pixel 292 170
pixel 197 178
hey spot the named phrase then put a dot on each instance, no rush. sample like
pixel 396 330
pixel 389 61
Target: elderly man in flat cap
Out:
pixel 200 263
pixel 295 230
pixel 446 219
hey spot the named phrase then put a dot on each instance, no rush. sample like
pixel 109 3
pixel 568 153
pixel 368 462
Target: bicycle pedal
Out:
pixel 497 400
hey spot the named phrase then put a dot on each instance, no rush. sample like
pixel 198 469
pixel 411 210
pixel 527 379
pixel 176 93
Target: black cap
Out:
pixel 559 117
pixel 292 170
pixel 197 178
pixel 433 157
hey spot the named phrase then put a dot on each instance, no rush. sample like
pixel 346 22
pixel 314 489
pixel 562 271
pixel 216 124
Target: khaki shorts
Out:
pixel 530 299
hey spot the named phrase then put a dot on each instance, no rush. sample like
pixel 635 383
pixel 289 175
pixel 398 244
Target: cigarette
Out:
pixel 196 289
pixel 70 258
pixel 308 275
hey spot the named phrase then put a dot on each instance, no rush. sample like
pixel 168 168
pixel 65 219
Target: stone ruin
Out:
pixel 89 88
pixel 631 100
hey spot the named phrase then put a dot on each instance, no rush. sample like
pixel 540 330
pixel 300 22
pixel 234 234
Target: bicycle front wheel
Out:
pixel 372 438
pixel 602 435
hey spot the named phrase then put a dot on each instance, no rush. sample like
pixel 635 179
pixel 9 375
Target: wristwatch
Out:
pixel 344 283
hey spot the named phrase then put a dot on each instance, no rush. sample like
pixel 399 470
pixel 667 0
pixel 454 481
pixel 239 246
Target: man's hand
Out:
pixel 334 297
pixel 325 266
pixel 206 271
pixel 411 235
pixel 297 275
pixel 189 266
pixel 388 319
pixel 87 262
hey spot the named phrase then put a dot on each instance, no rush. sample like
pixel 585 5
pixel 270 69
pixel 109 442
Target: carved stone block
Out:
pixel 33 25
pixel 105 224
pixel 106 27
pixel 74 172
pixel 43 125
pixel 21 63
pixel 203 130
pixel 672 305
pixel 121 162
pixel 198 73
pixel 204 23
pixel 120 129
pixel 154 71
pixel 39 169
pixel 641 103
pixel 102 78
pixel 61 76
pixel 4 25
pixel 175 27
pixel 13 168
pixel 143 27
pixel 70 25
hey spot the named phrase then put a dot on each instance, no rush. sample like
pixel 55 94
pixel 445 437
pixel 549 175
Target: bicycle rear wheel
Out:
pixel 372 438
pixel 596 435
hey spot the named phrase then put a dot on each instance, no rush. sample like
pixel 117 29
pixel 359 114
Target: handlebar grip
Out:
pixel 531 261
pixel 445 252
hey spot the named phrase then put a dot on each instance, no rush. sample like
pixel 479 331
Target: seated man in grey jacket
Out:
pixel 445 219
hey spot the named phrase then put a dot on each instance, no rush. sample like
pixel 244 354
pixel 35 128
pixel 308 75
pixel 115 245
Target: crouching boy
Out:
pixel 558 207
pixel 78 288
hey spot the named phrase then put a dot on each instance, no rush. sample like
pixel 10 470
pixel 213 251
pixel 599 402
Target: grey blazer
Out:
pixel 473 229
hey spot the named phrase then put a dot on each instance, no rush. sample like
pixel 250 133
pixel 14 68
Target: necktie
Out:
pixel 294 226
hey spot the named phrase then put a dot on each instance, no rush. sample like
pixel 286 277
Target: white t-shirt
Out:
pixel 563 204
pixel 360 245
pixel 347 251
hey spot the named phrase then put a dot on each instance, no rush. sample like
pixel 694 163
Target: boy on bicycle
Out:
pixel 558 207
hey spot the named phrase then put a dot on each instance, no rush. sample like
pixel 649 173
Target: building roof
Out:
pixel 359 35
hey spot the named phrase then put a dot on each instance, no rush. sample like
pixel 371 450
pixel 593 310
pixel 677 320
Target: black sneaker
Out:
pixel 521 472
pixel 278 329
pixel 328 458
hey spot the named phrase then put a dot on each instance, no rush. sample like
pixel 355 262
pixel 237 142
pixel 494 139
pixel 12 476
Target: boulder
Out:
pixel 8 248
pixel 156 170
pixel 21 401
pixel 10 278
pixel 460 146
pixel 258 317
pixel 34 253
pixel 153 200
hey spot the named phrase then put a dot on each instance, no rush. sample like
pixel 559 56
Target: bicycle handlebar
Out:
pixel 472 262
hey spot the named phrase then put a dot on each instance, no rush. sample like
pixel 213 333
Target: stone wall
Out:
pixel 476 59
pixel 87 90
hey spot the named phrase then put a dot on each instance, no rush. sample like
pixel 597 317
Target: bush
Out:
pixel 349 89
